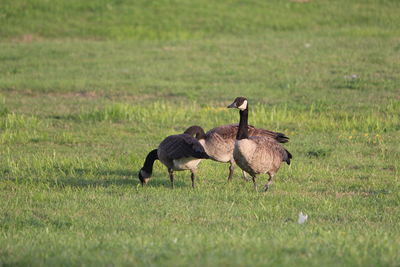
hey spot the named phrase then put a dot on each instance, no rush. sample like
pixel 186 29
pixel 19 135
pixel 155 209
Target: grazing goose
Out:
pixel 220 141
pixel 177 152
pixel 256 154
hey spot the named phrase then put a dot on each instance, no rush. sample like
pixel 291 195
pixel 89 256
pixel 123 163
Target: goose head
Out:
pixel 144 176
pixel 197 131
pixel 240 103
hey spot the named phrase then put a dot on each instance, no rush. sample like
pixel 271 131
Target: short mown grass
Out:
pixel 87 89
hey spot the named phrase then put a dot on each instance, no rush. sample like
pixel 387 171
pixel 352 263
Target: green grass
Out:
pixel 185 20
pixel 88 88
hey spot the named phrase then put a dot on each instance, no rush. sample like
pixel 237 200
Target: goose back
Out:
pixel 229 131
pixel 181 152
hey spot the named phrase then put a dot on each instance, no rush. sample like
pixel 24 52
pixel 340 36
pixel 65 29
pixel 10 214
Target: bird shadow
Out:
pixel 89 178
pixel 131 177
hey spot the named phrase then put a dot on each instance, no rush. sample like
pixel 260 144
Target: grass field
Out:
pixel 88 88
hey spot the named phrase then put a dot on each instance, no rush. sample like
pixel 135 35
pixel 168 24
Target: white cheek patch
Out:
pixel 243 106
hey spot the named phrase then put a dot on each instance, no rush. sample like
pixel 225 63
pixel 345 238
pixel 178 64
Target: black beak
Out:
pixel 233 105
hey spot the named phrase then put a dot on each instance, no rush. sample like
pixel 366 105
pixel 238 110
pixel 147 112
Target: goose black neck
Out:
pixel 148 163
pixel 197 131
pixel 243 125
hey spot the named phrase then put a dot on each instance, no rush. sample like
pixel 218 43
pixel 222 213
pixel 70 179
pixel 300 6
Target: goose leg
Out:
pixel 192 177
pixel 231 168
pixel 254 182
pixel 266 187
pixel 245 176
pixel 171 177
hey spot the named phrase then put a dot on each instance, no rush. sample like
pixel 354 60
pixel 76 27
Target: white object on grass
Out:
pixel 302 218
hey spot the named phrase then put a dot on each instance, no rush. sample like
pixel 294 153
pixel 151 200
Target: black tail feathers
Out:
pixel 288 157
pixel 281 138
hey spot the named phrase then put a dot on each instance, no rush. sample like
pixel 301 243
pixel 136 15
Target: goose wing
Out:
pixel 279 137
pixel 183 146
pixel 229 132
pixel 266 144
pixel 225 131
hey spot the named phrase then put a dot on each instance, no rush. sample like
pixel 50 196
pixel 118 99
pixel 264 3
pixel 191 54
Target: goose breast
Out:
pixel 185 164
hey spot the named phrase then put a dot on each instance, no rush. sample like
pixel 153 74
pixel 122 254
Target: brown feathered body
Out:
pixel 220 141
pixel 260 154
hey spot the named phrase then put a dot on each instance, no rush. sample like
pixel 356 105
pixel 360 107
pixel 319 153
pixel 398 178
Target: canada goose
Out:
pixel 256 154
pixel 220 141
pixel 177 152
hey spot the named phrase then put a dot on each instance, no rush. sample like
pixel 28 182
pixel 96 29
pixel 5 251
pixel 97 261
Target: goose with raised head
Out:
pixel 256 154
pixel 177 152
pixel 219 142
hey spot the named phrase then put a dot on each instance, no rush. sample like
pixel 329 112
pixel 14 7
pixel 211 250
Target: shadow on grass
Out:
pixel 124 177
pixel 102 178
pixel 103 172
